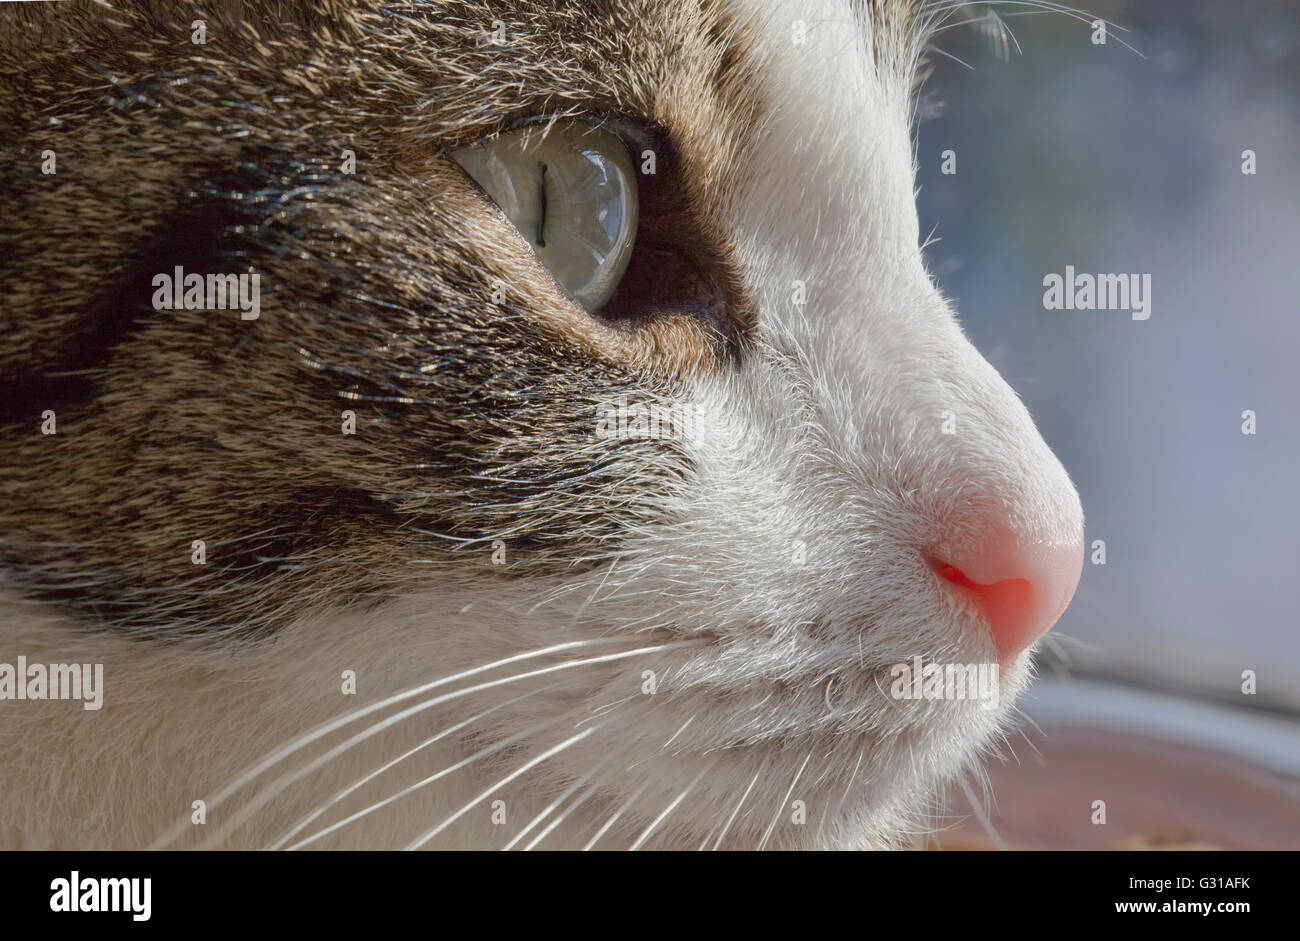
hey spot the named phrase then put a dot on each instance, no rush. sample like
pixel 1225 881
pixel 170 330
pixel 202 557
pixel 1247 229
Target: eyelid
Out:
pixel 637 133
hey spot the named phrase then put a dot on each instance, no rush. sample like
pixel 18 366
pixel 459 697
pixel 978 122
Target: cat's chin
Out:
pixel 699 773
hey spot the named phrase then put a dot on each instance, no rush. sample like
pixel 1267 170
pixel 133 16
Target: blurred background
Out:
pixel 1129 160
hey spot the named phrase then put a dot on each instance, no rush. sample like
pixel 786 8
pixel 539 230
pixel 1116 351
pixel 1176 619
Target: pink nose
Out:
pixel 1022 588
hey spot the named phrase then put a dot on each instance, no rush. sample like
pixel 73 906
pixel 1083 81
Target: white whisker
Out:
pixel 302 824
pixel 562 817
pixel 334 724
pixel 739 804
pixel 425 782
pixel 614 819
pixel 550 808
pixel 985 823
pixel 645 834
pixel 278 786
pixel 483 795
pixel 785 800
pixel 665 745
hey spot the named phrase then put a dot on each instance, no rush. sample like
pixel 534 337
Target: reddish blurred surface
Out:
pixel 1159 795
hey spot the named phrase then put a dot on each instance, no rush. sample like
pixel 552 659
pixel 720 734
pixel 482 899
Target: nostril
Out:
pixel 956 576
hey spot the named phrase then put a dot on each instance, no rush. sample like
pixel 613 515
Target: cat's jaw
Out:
pixel 180 725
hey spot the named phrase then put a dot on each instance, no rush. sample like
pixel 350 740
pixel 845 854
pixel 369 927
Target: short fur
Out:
pixel 782 547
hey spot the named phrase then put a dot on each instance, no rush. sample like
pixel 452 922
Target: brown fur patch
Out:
pixel 474 419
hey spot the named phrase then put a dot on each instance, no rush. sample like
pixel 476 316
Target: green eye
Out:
pixel 571 191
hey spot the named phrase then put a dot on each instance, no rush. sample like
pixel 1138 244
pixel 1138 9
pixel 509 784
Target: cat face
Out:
pixel 752 462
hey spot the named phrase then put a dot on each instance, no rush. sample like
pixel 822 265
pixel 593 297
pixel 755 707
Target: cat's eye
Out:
pixel 571 191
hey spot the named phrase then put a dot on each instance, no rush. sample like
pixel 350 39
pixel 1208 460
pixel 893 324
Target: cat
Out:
pixel 372 568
